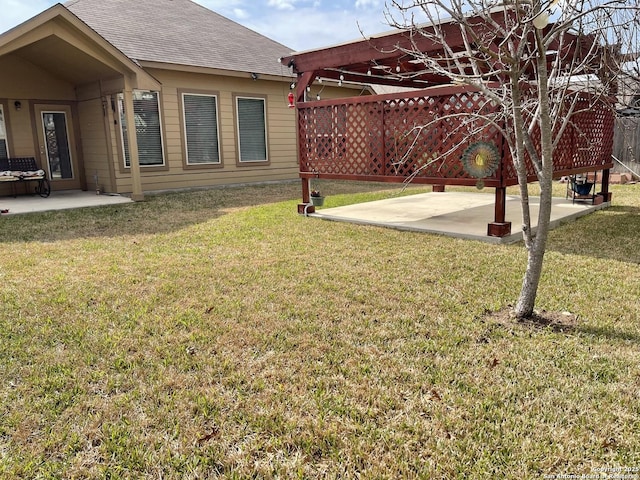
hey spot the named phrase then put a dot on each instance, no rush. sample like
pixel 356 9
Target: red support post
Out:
pixel 606 194
pixel 304 207
pixel 304 80
pixel 499 227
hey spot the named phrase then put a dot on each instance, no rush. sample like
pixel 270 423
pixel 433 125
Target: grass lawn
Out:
pixel 198 335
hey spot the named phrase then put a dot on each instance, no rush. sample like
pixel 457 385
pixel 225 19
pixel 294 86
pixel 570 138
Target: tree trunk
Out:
pixel 536 249
pixel 530 282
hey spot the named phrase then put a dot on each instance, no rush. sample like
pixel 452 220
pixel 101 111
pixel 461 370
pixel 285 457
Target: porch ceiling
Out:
pixel 66 61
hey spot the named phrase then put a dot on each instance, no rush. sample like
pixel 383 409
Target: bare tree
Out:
pixel 533 61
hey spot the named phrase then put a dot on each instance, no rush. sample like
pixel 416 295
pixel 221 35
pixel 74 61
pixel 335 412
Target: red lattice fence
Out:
pixel 422 135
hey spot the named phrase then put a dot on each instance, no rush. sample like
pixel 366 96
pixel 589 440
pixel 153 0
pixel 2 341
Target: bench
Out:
pixel 24 169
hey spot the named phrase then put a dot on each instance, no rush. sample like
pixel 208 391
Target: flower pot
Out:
pixel 317 201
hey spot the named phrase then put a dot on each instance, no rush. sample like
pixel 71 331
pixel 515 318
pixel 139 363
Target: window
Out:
pixel 4 148
pixel 146 111
pixel 252 131
pixel 201 128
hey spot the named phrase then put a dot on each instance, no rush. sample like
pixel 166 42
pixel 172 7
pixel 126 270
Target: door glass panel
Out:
pixel 57 144
pixel 4 151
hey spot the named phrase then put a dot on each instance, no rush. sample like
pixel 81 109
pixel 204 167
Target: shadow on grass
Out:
pixel 569 324
pixel 609 333
pixel 557 322
pixel 161 213
pixel 611 233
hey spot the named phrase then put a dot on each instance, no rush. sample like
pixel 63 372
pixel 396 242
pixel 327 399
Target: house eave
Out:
pixel 176 67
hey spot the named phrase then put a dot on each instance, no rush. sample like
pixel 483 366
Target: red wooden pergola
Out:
pixel 378 137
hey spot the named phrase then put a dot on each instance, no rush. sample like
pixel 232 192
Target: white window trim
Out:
pixel 184 126
pixel 120 102
pixel 266 136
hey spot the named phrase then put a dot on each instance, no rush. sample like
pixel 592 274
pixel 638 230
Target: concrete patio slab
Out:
pixel 455 214
pixel 58 201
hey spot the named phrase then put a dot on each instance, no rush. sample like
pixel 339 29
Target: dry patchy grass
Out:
pixel 198 335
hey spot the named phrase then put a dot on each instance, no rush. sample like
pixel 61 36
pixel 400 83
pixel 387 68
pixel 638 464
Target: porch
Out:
pixel 62 200
pixel 453 214
pixel 62 104
pixel 385 138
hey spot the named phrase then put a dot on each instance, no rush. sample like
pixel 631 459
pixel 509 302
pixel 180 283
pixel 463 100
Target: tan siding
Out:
pixel 94 145
pixel 22 141
pixel 28 81
pixel 281 134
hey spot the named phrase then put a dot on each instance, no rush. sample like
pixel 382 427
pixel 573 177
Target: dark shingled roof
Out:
pixel 180 32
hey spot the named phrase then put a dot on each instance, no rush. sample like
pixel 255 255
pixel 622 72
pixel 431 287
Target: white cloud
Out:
pixel 219 5
pixel 367 3
pixel 309 28
pixel 234 9
pixel 282 4
pixel 240 13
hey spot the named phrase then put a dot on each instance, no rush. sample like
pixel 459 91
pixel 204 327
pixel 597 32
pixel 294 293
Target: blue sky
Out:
pixel 299 24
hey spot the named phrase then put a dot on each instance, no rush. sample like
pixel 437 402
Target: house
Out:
pixel 131 96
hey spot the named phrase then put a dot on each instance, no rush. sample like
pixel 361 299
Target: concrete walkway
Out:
pixel 58 201
pixel 456 214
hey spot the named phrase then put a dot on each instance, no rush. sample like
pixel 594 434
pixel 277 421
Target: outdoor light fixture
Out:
pixel 541 20
pixel 254 76
pixel 17 104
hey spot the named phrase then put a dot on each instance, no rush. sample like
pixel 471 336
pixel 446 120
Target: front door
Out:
pixel 57 146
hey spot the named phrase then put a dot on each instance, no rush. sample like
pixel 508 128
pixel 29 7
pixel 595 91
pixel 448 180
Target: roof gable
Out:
pixel 180 32
pixel 58 41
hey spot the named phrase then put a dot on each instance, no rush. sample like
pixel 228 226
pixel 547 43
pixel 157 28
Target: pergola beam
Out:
pixel 385 54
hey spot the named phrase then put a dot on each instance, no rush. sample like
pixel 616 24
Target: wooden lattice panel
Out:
pixel 424 137
pixel 585 144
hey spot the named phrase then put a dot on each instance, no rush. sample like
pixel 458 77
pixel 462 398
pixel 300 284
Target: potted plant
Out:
pixel 317 199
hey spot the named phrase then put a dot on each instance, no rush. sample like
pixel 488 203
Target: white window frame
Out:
pixel 3 131
pixel 120 101
pixel 266 137
pixel 186 134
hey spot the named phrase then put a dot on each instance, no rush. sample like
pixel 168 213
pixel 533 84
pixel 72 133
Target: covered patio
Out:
pixel 58 103
pixel 62 200
pixel 453 214
pixel 417 134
